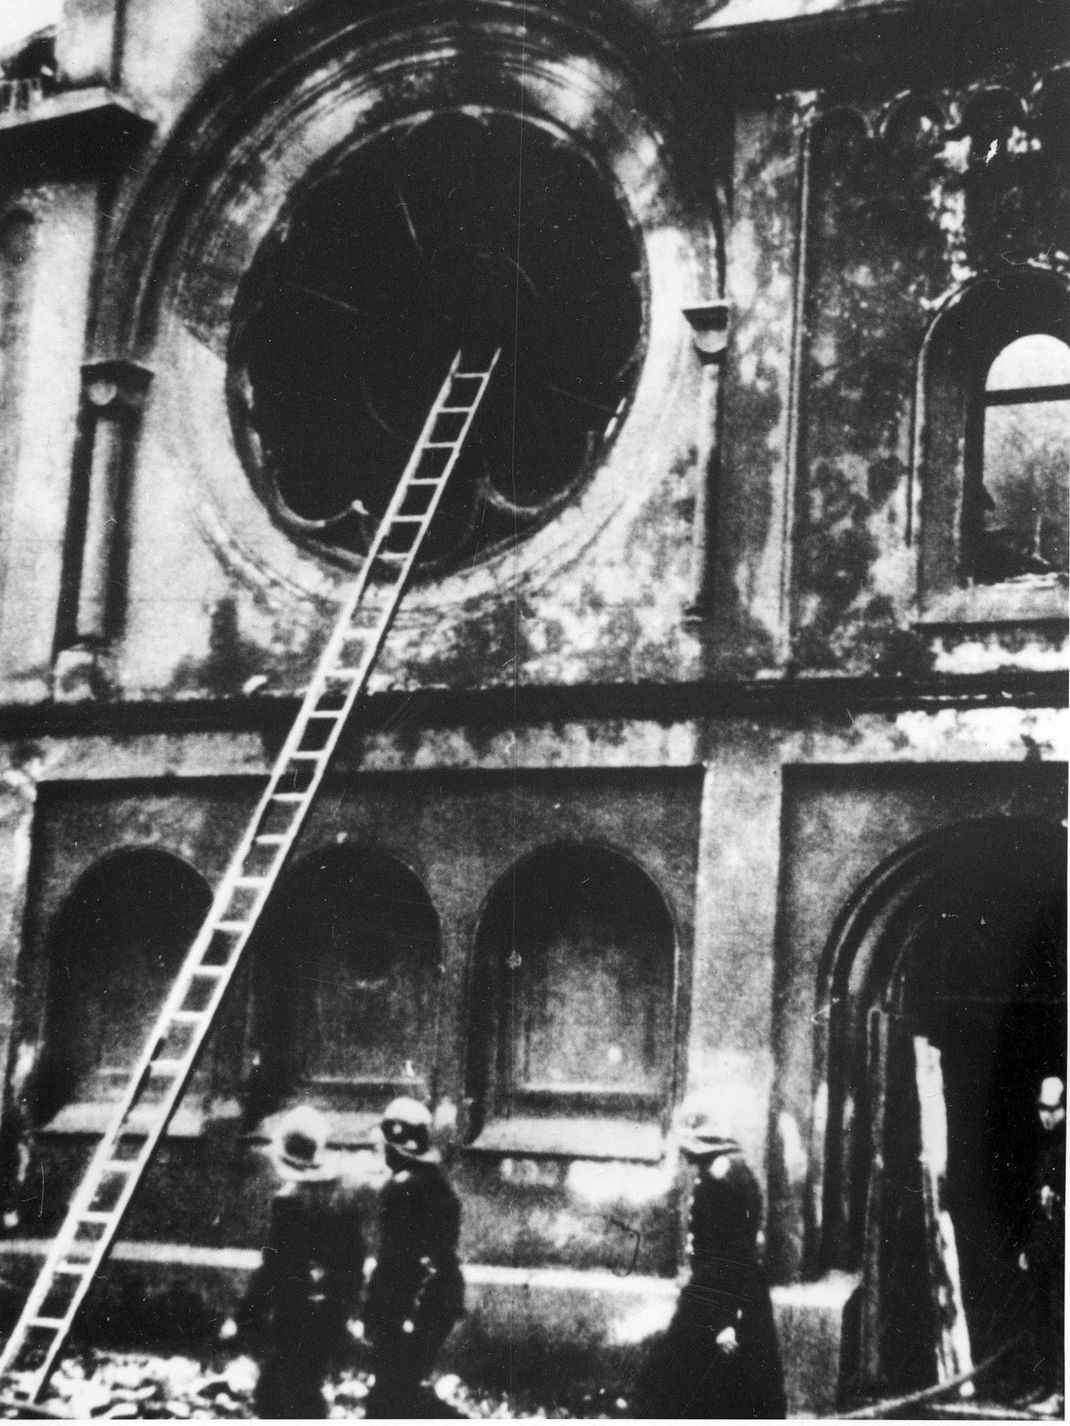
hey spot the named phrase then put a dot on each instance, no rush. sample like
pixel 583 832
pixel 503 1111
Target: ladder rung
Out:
pixel 120 1166
pixel 95 1215
pixel 334 713
pixel 54 1324
pixel 212 971
pixel 166 1066
pixel 251 880
pixel 426 480
pixel 270 839
pixel 455 410
pixel 297 796
pixel 439 445
pixel 408 519
pixel 187 1017
pixel 232 925
pixel 303 755
pixel 72 1269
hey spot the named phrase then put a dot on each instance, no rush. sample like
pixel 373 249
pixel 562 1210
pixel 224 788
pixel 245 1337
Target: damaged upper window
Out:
pixel 32 60
pixel 1018 521
pixel 994 451
pixel 462 230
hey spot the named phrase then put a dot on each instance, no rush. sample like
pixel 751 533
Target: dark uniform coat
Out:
pixel 688 1374
pixel 302 1295
pixel 416 1292
pixel 1045 1251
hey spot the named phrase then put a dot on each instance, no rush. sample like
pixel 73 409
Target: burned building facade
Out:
pixel 720 742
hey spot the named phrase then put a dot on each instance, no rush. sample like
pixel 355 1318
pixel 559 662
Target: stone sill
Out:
pixel 745 14
pixel 71 104
pixel 350 1128
pixel 93 1117
pixel 1031 599
pixel 179 1255
pixel 571 1138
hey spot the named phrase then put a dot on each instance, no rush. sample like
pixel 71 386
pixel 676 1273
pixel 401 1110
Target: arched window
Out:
pixel 344 977
pixel 114 951
pixel 573 998
pixel 1015 517
pixel 993 451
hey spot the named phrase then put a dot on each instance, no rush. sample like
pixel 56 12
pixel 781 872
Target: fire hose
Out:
pixel 880 1410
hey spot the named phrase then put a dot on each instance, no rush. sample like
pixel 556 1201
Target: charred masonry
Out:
pixel 721 741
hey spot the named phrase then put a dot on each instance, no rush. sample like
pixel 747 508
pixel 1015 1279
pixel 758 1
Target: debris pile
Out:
pixel 121 1386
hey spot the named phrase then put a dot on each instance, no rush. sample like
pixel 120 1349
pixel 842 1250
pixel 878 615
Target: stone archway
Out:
pixel 959 938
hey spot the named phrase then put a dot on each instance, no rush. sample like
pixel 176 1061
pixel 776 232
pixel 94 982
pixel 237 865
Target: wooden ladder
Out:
pixel 167 1061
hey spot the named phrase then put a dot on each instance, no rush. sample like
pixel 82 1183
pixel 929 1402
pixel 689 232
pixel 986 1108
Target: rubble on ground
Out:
pixel 134 1386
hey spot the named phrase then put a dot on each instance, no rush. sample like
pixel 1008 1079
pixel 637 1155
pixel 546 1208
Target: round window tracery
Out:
pixel 460 230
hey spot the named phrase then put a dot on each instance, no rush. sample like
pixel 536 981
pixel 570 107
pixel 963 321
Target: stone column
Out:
pixel 709 335
pixel 18 792
pixel 113 393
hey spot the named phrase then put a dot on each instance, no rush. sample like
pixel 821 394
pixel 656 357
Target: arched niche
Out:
pixel 114 950
pixel 572 996
pixel 344 985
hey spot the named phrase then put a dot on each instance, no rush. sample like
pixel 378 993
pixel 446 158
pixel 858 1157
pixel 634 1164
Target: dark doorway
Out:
pixel 983 977
pixel 968 952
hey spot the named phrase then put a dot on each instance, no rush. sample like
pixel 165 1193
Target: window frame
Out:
pixel 974 325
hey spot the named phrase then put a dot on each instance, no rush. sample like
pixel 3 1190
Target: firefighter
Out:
pixel 307 1287
pixel 719 1358
pixel 416 1292
pixel 1044 1252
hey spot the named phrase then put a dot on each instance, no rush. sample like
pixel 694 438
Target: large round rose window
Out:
pixel 460 230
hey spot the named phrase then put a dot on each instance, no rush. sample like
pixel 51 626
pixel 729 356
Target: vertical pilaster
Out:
pixel 731 1050
pixel 18 794
pixel 113 394
pixel 709 329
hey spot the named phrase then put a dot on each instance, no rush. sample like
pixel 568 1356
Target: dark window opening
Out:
pixel 995 451
pixel 458 231
pixel 1015 507
pixel 115 950
pixel 344 979
pixel 572 1009
pixel 32 60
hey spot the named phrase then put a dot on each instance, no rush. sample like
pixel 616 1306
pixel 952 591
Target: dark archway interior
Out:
pixel 572 1004
pixel 343 980
pixel 113 954
pixel 459 230
pixel 983 977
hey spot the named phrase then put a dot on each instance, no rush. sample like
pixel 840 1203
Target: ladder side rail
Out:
pixel 375 636
pixel 160 1113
